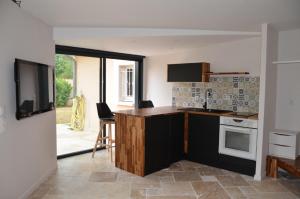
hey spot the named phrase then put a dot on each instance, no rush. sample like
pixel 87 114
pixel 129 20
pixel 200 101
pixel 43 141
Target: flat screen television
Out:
pixel 34 88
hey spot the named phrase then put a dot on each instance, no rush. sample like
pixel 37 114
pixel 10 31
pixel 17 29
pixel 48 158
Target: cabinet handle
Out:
pixel 282 145
pixel 239 121
pixel 281 134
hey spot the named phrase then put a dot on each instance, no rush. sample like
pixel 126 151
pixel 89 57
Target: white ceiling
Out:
pixel 149 46
pixel 186 16
pixel 144 41
pixel 239 15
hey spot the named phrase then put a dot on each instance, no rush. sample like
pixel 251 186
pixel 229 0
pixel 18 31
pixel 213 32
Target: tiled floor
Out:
pixel 82 177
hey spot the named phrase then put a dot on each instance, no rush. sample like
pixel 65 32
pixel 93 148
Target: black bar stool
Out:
pixel 106 117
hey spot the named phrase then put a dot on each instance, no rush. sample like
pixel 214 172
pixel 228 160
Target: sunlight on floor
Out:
pixel 69 141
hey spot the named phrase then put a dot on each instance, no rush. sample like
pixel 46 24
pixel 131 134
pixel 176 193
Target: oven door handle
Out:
pixel 238 129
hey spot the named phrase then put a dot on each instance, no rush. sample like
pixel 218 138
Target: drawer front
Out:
pixel 283 139
pixel 282 151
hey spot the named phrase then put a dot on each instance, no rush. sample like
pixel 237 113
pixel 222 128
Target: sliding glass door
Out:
pixel 100 77
pixel 77 92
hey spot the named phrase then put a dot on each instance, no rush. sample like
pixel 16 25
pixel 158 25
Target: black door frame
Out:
pixel 103 55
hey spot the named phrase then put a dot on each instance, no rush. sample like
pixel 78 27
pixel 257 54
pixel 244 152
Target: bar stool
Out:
pixel 106 117
pixel 146 104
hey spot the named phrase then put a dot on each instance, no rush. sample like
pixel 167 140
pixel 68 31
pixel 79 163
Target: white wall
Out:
pixel 88 85
pixel 27 147
pixel 240 55
pixel 288 81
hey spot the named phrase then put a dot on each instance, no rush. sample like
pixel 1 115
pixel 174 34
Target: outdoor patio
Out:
pixel 69 141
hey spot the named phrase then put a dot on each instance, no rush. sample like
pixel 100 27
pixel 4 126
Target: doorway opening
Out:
pixel 81 82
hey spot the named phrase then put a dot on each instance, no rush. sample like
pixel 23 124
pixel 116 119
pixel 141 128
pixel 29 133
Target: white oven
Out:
pixel 238 137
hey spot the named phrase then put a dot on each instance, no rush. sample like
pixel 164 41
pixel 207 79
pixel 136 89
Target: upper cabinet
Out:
pixel 188 72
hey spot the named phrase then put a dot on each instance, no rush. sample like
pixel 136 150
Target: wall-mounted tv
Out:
pixel 34 88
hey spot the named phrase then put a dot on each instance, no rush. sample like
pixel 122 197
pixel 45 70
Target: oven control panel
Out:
pixel 239 122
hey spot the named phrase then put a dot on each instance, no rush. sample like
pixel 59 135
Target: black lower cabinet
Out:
pixel 176 137
pixel 203 139
pixel 203 146
pixel 236 164
pixel 163 141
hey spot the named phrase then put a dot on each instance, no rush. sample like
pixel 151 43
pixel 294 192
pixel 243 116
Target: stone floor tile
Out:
pixel 280 195
pixel 124 176
pixel 232 181
pixel 172 197
pixel 83 177
pixel 209 178
pixel 210 171
pixel 175 167
pixel 138 193
pixel 292 185
pixel 103 177
pixel 186 176
pixel 163 175
pixel 107 190
pixel 268 186
pixel 190 166
pixel 209 190
pixel 248 190
pixel 235 193
pixel 172 189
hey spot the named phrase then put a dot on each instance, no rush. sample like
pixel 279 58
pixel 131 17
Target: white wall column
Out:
pixel 267 96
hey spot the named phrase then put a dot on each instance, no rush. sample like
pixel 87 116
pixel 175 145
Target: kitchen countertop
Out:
pixel 166 110
pixel 146 112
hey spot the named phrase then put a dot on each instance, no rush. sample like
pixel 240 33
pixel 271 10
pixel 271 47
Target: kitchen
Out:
pixel 259 37
pixel 202 126
pixel 256 92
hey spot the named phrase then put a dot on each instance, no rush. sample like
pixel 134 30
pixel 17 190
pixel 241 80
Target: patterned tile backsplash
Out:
pixel 239 94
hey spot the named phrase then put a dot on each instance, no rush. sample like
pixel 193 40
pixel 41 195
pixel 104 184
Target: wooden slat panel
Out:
pixel 130 143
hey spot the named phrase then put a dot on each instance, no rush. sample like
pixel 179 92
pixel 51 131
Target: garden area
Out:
pixel 65 91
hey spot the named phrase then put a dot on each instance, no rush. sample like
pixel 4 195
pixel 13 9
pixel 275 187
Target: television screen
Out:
pixel 34 88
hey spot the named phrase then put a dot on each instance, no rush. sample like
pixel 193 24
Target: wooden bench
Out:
pixel 291 166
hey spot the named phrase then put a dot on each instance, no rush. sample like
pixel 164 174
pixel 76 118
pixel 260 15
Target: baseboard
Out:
pixel 27 193
pixel 260 176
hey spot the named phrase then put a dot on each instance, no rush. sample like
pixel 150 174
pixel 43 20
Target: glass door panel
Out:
pixel 77 92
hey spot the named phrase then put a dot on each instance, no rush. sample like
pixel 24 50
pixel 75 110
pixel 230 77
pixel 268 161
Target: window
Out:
pixel 126 83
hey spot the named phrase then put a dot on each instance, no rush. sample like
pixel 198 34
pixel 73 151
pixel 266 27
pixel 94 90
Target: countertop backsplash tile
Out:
pixel 239 94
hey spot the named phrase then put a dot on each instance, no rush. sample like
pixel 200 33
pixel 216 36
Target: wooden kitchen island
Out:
pixel 149 139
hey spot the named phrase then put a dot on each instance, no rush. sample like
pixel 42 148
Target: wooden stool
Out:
pixel 108 139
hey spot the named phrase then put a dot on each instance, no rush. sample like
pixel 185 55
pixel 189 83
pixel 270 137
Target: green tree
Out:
pixel 64 66
pixel 63 91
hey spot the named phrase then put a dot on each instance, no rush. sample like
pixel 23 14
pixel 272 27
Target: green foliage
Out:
pixel 63 91
pixel 64 66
